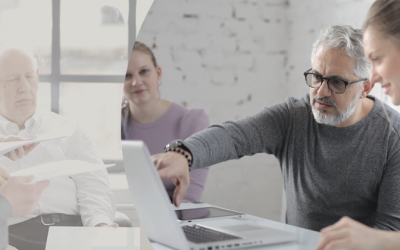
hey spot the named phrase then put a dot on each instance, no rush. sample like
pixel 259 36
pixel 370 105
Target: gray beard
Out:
pixel 340 116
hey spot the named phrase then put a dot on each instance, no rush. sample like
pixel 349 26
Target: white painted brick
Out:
pixel 273 13
pixel 228 44
pixel 248 77
pixel 213 58
pixel 237 28
pixel 222 77
pixel 246 11
pixel 248 44
pixel 199 8
pixel 242 60
pixel 151 24
pixel 163 57
pixel 146 37
pixel 189 59
pixel 211 26
pixel 168 40
pixel 219 9
pixel 198 76
pixel 195 41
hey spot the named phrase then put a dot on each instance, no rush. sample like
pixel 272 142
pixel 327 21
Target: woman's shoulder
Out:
pixel 190 114
pixel 192 120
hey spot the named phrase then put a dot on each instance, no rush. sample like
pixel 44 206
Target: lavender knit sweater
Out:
pixel 177 123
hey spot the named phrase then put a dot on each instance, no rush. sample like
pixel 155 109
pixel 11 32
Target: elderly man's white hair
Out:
pixel 350 41
pixel 22 48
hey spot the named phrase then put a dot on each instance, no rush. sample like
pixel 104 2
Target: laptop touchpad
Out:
pixel 242 228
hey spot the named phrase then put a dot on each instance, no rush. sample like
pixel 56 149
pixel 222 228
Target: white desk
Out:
pixel 84 238
pixel 306 239
pixel 97 238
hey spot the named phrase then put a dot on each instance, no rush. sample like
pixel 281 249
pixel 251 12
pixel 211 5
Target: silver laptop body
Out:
pixel 160 222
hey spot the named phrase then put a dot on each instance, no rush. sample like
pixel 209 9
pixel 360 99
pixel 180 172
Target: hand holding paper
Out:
pixel 15 143
pixel 19 152
pixel 49 170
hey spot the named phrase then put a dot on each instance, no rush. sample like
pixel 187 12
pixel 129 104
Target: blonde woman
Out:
pixel 382 48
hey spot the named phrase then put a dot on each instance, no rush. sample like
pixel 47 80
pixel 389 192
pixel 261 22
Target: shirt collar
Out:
pixel 7 124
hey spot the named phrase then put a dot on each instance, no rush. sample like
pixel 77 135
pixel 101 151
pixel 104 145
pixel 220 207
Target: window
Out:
pixel 82 49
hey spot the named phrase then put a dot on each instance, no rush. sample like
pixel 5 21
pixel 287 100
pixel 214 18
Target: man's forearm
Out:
pixel 94 194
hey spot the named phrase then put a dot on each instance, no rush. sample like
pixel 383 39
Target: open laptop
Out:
pixel 159 220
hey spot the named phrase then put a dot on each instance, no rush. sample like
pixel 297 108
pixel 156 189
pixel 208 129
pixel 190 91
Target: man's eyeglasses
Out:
pixel 13 80
pixel 336 85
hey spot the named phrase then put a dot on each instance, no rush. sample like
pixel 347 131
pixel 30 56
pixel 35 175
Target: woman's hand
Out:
pixel 4 175
pixel 20 152
pixel 350 234
pixel 22 195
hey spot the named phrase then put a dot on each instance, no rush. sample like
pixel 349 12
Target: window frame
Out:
pixel 56 78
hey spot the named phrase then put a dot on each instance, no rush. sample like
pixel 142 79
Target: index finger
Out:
pixel 30 147
pixel 180 191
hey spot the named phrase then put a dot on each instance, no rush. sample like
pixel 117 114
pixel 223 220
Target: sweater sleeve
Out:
pixel 388 207
pixel 193 121
pixel 263 132
pixel 5 213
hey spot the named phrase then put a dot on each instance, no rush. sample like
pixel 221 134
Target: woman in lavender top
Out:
pixel 147 117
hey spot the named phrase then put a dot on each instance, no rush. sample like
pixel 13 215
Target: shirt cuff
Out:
pixel 100 219
pixel 6 209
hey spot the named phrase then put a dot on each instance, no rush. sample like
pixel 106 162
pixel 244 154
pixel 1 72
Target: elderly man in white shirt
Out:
pixel 87 195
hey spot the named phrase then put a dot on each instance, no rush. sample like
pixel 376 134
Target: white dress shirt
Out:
pixel 88 194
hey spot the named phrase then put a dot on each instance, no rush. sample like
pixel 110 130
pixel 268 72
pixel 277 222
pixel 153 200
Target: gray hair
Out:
pixel 350 41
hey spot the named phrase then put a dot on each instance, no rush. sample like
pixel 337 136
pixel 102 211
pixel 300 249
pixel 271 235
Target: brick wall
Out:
pixel 233 57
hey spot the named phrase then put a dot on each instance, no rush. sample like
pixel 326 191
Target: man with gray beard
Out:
pixel 338 154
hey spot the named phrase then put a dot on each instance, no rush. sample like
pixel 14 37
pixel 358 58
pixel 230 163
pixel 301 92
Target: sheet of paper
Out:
pixel 61 132
pixel 93 238
pixel 53 169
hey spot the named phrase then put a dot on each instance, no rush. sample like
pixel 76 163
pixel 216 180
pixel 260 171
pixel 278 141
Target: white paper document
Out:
pixel 49 170
pixel 59 133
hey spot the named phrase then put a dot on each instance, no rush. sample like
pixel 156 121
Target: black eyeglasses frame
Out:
pixel 328 79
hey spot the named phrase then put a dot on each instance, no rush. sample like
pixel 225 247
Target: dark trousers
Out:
pixel 32 234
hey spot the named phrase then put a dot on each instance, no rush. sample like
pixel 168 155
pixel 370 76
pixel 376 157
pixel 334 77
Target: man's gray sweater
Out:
pixel 328 172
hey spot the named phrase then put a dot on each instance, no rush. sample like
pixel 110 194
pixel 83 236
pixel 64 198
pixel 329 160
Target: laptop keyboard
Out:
pixel 199 234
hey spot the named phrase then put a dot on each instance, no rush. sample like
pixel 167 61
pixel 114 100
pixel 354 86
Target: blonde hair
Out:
pixel 384 16
pixel 138 46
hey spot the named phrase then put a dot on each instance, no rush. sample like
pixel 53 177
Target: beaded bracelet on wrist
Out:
pixel 178 150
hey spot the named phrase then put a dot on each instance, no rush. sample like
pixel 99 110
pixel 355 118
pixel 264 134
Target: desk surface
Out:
pixel 134 238
pixel 100 238
pixel 306 239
